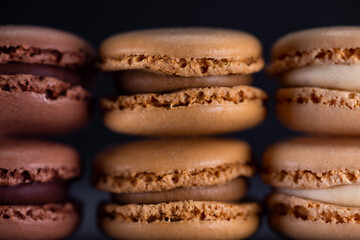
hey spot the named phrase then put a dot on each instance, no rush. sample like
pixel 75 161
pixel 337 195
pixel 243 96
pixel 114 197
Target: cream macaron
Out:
pixel 319 69
pixel 176 189
pixel 317 185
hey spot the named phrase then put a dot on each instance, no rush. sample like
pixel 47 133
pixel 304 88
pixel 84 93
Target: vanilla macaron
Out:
pixel 317 187
pixel 319 69
pixel 182 81
pixel 176 189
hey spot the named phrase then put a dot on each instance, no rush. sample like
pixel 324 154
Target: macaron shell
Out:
pixel 14 228
pixel 312 219
pixel 318 38
pixel 196 111
pixel 180 220
pixel 183 51
pixel 222 229
pixel 319 110
pixel 29 113
pixel 167 155
pixel 74 49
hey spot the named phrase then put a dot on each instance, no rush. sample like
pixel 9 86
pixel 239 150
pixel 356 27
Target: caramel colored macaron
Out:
pixel 33 190
pixel 182 81
pixel 43 74
pixel 194 182
pixel 318 70
pixel 316 183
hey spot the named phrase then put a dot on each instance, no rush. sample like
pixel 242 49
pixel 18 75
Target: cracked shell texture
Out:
pixel 319 110
pixel 36 44
pixel 312 162
pixel 38 222
pixel 195 111
pixel 300 218
pixel 183 51
pixel 180 220
pixel 329 45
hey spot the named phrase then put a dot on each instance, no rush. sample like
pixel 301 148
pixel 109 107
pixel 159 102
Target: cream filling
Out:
pixel 345 195
pixel 345 77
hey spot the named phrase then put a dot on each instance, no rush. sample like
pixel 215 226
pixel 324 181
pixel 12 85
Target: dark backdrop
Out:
pixel 96 20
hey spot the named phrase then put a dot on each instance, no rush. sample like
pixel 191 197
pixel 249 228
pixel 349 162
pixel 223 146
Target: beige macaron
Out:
pixel 193 183
pixel 319 70
pixel 317 185
pixel 182 81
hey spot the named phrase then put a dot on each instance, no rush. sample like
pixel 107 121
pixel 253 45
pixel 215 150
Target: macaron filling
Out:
pixel 142 81
pixel 333 76
pixel 344 195
pixel 228 192
pixel 34 193
pixel 65 75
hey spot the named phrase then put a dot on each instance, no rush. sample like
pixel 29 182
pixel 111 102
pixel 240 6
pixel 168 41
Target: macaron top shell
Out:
pixel 36 44
pixel 327 45
pixel 162 156
pixel 317 154
pixel 182 47
pixel 23 161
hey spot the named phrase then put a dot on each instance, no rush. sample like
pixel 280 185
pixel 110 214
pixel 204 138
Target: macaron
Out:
pixel 33 190
pixel 43 74
pixel 182 81
pixel 318 70
pixel 176 189
pixel 316 187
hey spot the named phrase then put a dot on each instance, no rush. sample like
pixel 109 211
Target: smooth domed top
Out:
pixel 313 154
pixel 317 38
pixel 35 154
pixel 184 43
pixel 161 156
pixel 44 38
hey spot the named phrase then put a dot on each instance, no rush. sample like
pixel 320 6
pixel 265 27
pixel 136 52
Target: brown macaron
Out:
pixel 33 189
pixel 194 182
pixel 182 81
pixel 316 181
pixel 318 69
pixel 42 77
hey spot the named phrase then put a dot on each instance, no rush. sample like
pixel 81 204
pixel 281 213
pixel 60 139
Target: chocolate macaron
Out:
pixel 42 78
pixel 182 81
pixel 319 70
pixel 316 183
pixel 176 189
pixel 33 190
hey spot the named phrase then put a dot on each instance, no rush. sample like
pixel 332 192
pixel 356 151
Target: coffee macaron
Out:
pixel 43 75
pixel 316 187
pixel 318 69
pixel 33 190
pixel 182 81
pixel 176 189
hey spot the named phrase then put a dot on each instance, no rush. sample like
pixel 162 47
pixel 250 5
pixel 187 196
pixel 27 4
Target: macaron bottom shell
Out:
pixel 319 110
pixel 241 222
pixel 38 222
pixel 300 218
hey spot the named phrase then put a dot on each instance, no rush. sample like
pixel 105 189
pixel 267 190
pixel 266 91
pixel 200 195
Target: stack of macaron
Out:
pixel 179 82
pixel 43 74
pixel 33 190
pixel 182 81
pixel 316 177
pixel 42 79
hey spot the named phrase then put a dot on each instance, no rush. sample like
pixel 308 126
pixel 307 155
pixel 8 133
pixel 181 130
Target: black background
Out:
pixel 96 20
